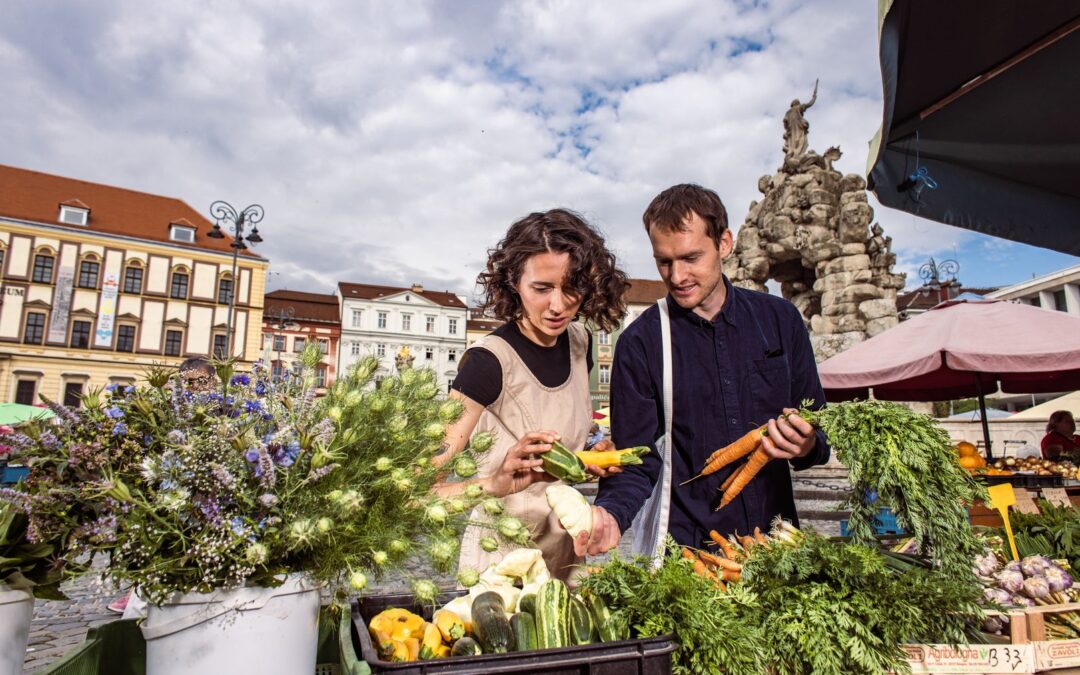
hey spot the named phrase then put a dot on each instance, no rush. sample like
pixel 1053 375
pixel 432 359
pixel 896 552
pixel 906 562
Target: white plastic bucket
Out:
pixel 269 631
pixel 16 611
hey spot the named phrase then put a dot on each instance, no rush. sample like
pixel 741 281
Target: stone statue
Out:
pixel 830 156
pixel 878 247
pixel 404 358
pixel 796 127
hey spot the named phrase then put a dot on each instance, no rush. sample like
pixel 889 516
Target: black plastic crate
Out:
pixel 646 656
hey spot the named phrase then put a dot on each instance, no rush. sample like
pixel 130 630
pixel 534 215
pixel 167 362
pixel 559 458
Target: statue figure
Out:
pixel 404 358
pixel 879 248
pixel 830 156
pixel 796 127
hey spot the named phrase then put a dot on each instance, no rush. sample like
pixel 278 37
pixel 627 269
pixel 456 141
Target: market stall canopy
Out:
pixel 980 123
pixel 961 349
pixel 976 415
pixel 1042 412
pixel 603 417
pixel 17 413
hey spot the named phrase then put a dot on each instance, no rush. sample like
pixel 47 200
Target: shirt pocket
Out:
pixel 770 388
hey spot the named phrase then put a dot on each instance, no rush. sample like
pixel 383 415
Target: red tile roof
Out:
pixel 645 291
pixel 486 325
pixel 372 292
pixel 305 306
pixel 35 196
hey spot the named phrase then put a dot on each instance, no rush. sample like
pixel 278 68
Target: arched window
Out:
pixel 89 271
pixel 133 277
pixel 178 283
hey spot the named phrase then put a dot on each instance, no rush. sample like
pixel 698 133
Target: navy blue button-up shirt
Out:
pixel 730 375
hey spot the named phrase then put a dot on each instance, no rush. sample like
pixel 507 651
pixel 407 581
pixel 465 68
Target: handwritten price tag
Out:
pixel 1010 656
pixel 1057 496
pixel 1025 504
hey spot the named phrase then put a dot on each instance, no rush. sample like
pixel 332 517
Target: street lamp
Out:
pixel 280 320
pixel 223 212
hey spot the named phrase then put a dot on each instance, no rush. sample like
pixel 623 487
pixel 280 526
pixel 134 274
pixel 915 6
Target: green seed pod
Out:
pixel 379 403
pixel 256 554
pixel 379 557
pixel 474 491
pixel 399 405
pixel 456 504
pixel 405 485
pixel 482 441
pixel 409 377
pixel 388 384
pixel 436 513
pixel 465 466
pixel 353 398
pixel 383 464
pixel 358 581
pixel 335 495
pixel 334 413
pixel 443 552
pixel 493 506
pixel 397 424
pixel 435 431
pixel 468 577
pixel 426 392
pixel 510 527
pixel 489 544
pixel 398 546
pixel 425 591
pixel 324 524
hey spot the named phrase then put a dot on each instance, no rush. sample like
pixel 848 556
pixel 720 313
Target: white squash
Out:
pixel 571 507
pixel 518 562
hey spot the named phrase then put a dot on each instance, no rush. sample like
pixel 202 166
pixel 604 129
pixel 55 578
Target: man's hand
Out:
pixel 605 534
pixel 603 446
pixel 789 437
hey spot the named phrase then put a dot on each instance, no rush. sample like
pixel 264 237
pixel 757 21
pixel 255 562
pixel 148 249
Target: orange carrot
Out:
pixel 737 450
pixel 731 575
pixel 725 546
pixel 720 585
pixel 761 538
pixel 753 466
pixel 730 479
pixel 717 561
pixel 748 543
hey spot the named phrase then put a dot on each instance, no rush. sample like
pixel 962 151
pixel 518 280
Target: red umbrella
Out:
pixel 598 415
pixel 960 349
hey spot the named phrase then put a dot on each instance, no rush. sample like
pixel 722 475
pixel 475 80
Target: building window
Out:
pixel 35 328
pixel 298 344
pixel 1035 301
pixel 380 350
pixel 430 324
pixel 1 262
pixel 320 377
pixel 382 320
pixel 43 268
pixel 276 371
pixel 453 327
pixel 224 291
pixel 73 215
pixel 603 338
pixel 1060 303
pixel 221 346
pixel 73 394
pixel 25 391
pixel 178 288
pixel 357 314
pixel 324 346
pixel 80 334
pixel 451 355
pixel 406 322
pixel 279 343
pixel 173 338
pixel 125 339
pixel 605 374
pixel 88 274
pixel 181 233
pixel 133 280
pixel 429 354
pixel 354 349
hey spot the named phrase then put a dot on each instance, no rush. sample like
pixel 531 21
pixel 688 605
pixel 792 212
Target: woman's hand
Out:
pixel 517 470
pixel 603 445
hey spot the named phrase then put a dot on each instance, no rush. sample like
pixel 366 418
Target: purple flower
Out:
pixel 119 429
pixel 115 413
pixel 260 388
pixel 111 387
pixel 253 406
pixel 252 455
pixel 241 379
pixel 268 500
pixel 129 389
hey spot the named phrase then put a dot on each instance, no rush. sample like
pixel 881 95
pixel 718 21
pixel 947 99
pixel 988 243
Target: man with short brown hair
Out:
pixel 740 358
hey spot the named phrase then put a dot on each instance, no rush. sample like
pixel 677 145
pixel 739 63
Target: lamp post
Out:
pixel 280 320
pixel 223 212
pixel 938 275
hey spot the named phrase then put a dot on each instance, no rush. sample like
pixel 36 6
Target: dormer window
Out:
pixel 182 233
pixel 73 215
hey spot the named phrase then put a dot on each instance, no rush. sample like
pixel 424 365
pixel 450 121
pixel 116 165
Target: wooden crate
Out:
pixel 1015 656
pixel 1052 655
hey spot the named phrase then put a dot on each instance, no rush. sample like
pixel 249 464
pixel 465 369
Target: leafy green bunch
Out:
pixel 25 565
pixel 1054 533
pixel 840 607
pixel 906 461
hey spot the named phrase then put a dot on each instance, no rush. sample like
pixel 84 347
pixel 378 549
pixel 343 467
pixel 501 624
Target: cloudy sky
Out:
pixel 394 142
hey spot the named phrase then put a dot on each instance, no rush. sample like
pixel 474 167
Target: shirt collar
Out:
pixel 729 313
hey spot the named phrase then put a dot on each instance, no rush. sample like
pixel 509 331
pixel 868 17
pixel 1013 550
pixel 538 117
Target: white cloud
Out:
pixel 395 142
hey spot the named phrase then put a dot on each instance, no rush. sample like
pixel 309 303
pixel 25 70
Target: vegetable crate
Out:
pixel 647 656
pixel 1013 654
pixel 884 523
pixel 1052 654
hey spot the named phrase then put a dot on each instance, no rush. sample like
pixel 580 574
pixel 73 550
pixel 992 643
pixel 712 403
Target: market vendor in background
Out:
pixel 1061 440
pixel 528 381
pixel 740 358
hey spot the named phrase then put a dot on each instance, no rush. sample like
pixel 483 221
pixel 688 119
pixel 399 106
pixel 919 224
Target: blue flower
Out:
pixel 115 413
pixel 252 456
pixel 237 525
pixel 287 456
pixel 241 379
pixel 168 484
pixel 111 387
pixel 260 388
pixel 253 406
pixel 119 429
pixel 129 389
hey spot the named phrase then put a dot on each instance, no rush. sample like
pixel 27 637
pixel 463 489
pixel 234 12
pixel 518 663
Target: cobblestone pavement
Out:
pixel 58 626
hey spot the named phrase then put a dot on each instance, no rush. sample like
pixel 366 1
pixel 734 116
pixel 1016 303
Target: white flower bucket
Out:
pixel 16 611
pixel 268 631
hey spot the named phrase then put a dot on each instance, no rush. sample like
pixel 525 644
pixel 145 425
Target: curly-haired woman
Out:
pixel 528 381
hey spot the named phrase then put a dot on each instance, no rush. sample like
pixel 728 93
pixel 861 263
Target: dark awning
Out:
pixel 986 94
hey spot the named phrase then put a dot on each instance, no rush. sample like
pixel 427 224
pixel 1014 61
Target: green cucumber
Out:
pixel 527 603
pixel 563 464
pixel 490 624
pixel 553 615
pixel 611 627
pixel 524 627
pixel 465 646
pixel 582 630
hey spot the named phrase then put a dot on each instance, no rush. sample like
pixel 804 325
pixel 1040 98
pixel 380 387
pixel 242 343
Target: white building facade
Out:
pixel 380 320
pixel 1059 291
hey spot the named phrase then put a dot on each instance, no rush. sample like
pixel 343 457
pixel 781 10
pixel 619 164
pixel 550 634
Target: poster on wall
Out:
pixel 58 323
pixel 107 313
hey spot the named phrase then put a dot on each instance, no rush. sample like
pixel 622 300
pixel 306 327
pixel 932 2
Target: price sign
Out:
pixel 1057 496
pixel 1025 504
pixel 1008 656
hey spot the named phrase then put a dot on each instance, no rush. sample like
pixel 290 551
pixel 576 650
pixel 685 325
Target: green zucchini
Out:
pixel 490 624
pixel 611 627
pixel 563 464
pixel 527 603
pixel 524 626
pixel 465 646
pixel 582 630
pixel 553 615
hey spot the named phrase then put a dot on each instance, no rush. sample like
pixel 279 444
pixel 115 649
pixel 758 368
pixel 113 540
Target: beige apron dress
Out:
pixel 526 405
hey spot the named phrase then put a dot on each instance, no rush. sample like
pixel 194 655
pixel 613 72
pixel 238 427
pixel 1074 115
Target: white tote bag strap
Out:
pixel 651 524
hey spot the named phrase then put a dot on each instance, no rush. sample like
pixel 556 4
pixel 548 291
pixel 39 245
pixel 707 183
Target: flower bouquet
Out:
pixel 248 483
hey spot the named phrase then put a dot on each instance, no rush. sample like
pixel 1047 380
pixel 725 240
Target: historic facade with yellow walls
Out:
pixel 99 282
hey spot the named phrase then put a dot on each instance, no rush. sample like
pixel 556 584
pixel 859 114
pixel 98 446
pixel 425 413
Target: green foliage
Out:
pixel 25 565
pixel 1054 533
pixel 907 460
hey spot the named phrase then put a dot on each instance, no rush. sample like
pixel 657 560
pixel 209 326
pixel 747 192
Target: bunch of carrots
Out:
pixel 726 564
